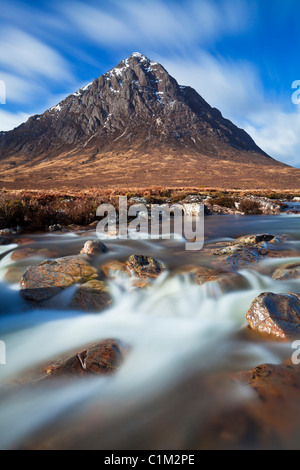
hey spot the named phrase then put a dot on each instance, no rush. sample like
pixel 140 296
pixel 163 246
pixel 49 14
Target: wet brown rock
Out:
pixel 221 210
pixel 202 275
pixel 277 315
pixel 13 274
pixel 22 240
pixel 250 249
pixel 31 252
pixel 256 239
pixel 94 248
pixel 49 278
pixel 142 283
pixel 240 255
pixel 104 358
pixel 270 420
pixel 287 272
pixel 225 279
pixel 143 266
pixel 92 296
pixel 113 269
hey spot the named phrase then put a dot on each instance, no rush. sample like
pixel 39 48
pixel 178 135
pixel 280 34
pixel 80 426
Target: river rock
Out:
pixel 24 253
pixel 202 275
pixel 225 280
pixel 93 296
pixel 55 228
pixel 192 209
pixel 104 358
pixel 94 248
pixel 7 232
pixel 270 420
pixel 266 205
pixel 49 278
pixel 221 210
pixel 287 272
pixel 256 239
pixel 248 249
pixel 138 200
pixel 276 315
pixel 113 269
pixel 240 255
pixel 144 266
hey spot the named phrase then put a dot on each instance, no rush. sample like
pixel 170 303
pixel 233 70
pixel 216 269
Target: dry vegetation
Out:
pixel 37 210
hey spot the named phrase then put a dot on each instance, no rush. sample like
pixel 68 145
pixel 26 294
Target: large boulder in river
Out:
pixel 104 358
pixel 93 296
pixel 144 266
pixel 94 248
pixel 287 272
pixel 276 315
pixel 49 278
pixel 256 239
pixel 225 280
pixel 115 269
pixel 240 255
pixel 251 249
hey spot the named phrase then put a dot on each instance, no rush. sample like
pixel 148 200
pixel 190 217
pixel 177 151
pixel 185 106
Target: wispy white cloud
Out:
pixel 177 34
pixel 9 120
pixel 157 23
pixel 277 132
pixel 20 89
pixel 28 56
pixel 235 88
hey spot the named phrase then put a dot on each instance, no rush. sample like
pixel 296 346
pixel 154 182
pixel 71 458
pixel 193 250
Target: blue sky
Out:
pixel 240 55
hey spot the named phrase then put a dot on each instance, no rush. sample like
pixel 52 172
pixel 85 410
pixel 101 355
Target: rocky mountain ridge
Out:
pixel 133 124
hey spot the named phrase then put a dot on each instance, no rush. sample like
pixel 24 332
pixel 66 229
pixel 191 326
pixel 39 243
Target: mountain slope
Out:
pixel 133 126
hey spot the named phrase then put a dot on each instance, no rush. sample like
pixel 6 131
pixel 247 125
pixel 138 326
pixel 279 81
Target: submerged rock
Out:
pixel 93 296
pixel 270 420
pixel 250 249
pixel 49 278
pixel 226 280
pixel 114 269
pixel 201 275
pixel 104 358
pixel 144 266
pixel 287 272
pixel 240 255
pixel 277 315
pixel 24 253
pixel 94 248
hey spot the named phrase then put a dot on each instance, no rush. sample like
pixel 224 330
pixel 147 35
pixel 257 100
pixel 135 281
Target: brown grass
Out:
pixel 37 210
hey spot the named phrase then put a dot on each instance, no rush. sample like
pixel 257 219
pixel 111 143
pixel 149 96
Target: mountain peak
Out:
pixel 135 108
pixel 135 61
pixel 138 55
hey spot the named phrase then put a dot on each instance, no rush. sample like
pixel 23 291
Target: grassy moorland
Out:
pixel 37 210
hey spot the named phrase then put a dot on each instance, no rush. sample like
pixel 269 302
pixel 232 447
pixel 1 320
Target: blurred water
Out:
pixel 174 328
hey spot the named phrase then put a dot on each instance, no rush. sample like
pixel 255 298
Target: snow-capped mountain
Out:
pixel 135 110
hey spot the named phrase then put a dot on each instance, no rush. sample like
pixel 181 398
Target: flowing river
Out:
pixel 175 330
